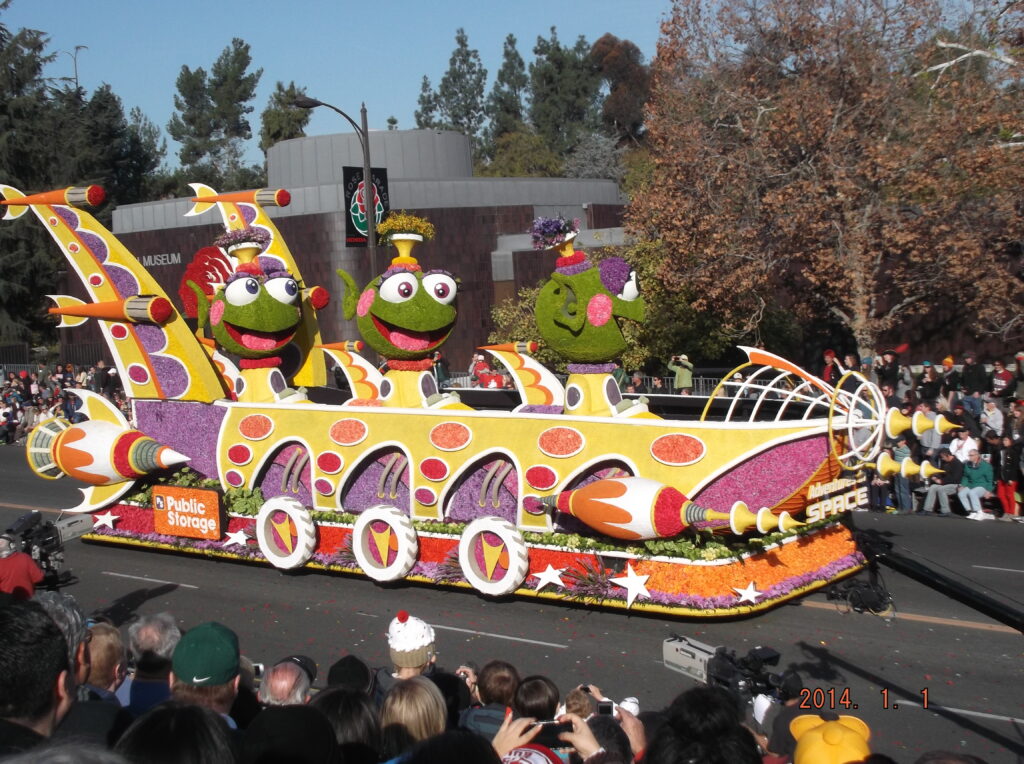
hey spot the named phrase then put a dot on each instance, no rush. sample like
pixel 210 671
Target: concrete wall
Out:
pixel 410 154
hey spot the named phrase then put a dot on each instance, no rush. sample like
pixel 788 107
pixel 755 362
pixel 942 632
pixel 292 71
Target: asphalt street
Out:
pixel 933 650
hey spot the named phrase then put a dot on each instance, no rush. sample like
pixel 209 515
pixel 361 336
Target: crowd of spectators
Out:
pixel 73 690
pixel 981 458
pixel 30 397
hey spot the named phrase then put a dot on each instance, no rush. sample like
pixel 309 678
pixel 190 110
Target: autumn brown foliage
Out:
pixel 808 154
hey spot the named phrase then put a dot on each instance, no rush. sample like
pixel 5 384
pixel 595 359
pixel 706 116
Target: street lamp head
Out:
pixel 305 102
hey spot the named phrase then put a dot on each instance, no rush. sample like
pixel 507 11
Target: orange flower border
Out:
pixel 678 587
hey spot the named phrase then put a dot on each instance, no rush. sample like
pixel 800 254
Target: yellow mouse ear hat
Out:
pixel 829 739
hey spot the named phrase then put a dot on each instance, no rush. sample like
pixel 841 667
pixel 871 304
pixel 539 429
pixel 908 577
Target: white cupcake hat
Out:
pixel 411 640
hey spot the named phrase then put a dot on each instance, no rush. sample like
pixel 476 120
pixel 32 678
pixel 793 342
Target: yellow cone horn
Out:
pixel 896 422
pixel 909 468
pixel 929 470
pixel 920 423
pixel 943 425
pixel 887 466
pixel 741 519
pixel 787 523
pixel 766 521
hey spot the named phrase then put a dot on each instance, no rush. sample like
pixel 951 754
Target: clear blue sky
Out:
pixel 343 52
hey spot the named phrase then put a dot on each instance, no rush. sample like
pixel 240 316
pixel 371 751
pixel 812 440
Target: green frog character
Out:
pixel 252 314
pixel 406 314
pixel 578 312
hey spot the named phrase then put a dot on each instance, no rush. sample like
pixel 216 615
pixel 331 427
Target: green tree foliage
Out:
pixel 565 92
pixel 458 103
pixel 26 263
pixel 596 156
pixel 193 126
pixel 521 154
pixel 280 120
pixel 50 138
pixel 621 66
pixel 211 122
pixel 506 108
pixel 426 114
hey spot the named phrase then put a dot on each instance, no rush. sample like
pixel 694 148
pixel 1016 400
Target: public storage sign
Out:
pixel 186 512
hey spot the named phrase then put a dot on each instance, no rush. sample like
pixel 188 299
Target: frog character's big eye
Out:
pixel 283 289
pixel 441 287
pixel 242 291
pixel 399 288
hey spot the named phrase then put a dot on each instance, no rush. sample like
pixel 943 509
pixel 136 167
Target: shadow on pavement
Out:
pixel 124 608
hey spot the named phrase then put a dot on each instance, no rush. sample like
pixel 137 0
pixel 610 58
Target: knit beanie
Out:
pixel 411 641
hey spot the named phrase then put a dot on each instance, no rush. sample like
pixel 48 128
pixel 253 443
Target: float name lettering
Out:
pixel 833 505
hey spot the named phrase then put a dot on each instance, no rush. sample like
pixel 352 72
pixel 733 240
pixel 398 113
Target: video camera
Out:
pixel 745 676
pixel 43 540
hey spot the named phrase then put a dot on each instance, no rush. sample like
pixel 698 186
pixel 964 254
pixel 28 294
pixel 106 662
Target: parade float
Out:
pixel 577 494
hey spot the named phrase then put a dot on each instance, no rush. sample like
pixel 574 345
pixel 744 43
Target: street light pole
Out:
pixel 369 199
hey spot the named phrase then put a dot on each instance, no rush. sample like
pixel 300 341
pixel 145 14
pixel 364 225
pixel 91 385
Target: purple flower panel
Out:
pixel 768 478
pixel 95 244
pixel 361 492
pixel 68 215
pixel 172 375
pixel 188 427
pixel 539 408
pixel 122 280
pixel 464 501
pixel 152 337
pixel 275 479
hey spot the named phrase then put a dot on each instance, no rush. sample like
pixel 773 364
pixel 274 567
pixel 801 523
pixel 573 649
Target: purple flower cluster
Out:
pixel 247 235
pixel 614 274
pixel 550 232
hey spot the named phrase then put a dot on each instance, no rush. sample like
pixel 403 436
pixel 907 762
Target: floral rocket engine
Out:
pixel 577 493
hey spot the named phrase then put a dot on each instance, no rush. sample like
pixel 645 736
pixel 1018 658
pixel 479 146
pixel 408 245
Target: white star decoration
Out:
pixel 549 576
pixel 633 584
pixel 748 594
pixel 238 537
pixel 107 519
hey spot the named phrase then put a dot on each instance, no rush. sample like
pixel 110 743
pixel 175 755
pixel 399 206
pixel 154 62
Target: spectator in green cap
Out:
pixel 204 669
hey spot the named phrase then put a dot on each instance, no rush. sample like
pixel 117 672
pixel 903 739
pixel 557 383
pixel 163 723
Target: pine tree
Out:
pixel 506 103
pixel 458 103
pixel 565 92
pixel 461 91
pixel 193 126
pixel 28 263
pixel 232 89
pixel 426 114
pixel 280 120
pixel 211 122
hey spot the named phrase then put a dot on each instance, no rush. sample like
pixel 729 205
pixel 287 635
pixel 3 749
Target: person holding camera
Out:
pixel 680 365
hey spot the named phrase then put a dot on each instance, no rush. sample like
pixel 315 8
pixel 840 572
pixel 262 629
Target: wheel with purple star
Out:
pixel 385 543
pixel 285 532
pixel 493 556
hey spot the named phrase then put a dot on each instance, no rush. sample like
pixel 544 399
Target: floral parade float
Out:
pixel 573 495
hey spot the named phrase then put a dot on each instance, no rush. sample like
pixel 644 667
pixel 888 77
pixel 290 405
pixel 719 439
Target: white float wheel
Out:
pixel 285 532
pixel 493 556
pixel 385 543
